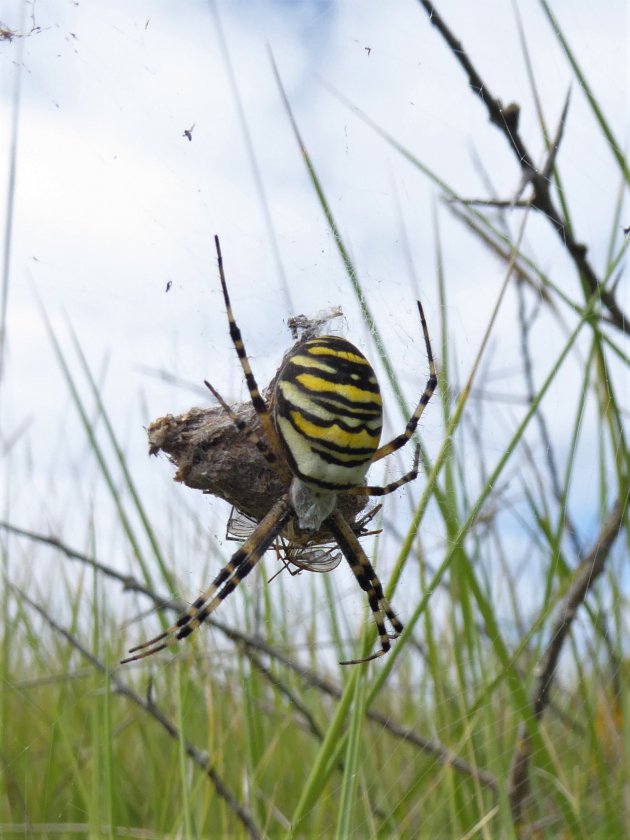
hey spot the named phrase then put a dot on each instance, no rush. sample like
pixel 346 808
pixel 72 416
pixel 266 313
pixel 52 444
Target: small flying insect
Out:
pixel 317 555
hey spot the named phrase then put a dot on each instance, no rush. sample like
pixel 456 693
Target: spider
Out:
pixel 320 434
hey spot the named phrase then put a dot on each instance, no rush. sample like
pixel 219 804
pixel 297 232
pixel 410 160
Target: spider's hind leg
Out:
pixel 375 490
pixel 369 583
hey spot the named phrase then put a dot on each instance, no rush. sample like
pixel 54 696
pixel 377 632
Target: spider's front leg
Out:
pixel 429 390
pixel 258 402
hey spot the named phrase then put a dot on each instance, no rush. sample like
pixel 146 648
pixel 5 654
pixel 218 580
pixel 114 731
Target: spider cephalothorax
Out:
pixel 318 437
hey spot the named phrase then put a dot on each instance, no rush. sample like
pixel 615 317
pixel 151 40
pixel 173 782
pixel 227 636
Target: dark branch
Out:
pixel 506 120
pixel 584 577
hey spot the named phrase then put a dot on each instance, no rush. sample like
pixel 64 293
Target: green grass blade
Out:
pixel 122 463
pixel 599 115
pixel 352 766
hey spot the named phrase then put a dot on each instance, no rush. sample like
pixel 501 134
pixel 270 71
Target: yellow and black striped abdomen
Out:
pixel 328 413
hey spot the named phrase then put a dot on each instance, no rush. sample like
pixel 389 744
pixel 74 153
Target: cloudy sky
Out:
pixel 113 202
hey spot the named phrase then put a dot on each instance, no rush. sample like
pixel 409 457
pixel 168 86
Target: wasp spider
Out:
pixel 320 433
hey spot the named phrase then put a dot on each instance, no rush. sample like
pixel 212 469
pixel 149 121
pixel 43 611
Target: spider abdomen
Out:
pixel 328 413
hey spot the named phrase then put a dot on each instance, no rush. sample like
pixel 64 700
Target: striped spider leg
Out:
pixel 240 565
pixel 320 433
pixel 298 552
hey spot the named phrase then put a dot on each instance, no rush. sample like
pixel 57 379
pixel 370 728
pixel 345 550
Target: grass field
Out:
pixel 501 711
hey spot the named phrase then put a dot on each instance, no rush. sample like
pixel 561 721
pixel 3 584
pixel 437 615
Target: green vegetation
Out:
pixel 474 725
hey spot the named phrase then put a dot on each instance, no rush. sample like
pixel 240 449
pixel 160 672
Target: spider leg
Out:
pixel 402 439
pixel 239 566
pixel 375 490
pixel 235 334
pixel 369 583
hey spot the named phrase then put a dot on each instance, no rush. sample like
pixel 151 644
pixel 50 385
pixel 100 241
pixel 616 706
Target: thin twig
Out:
pixel 496 203
pixel 286 692
pixel 521 272
pixel 584 577
pixel 506 118
pixel 525 325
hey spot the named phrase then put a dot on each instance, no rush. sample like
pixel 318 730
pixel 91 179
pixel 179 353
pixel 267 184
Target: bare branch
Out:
pixel 506 119
pixel 584 577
